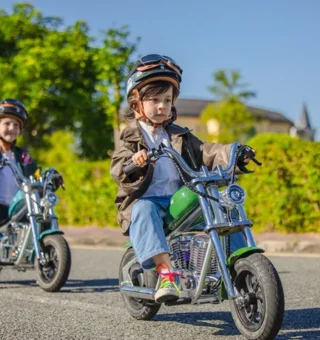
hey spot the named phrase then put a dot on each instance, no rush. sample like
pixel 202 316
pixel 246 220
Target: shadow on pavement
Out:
pixel 17 284
pixel 297 324
pixel 91 286
pixel 222 321
pixel 72 286
pixel 301 324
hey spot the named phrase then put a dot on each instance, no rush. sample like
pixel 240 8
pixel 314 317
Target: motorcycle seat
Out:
pixel 3 223
pixel 16 217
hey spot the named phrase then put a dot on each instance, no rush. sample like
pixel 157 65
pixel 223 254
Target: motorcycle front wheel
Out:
pixel 257 281
pixel 138 308
pixel 52 275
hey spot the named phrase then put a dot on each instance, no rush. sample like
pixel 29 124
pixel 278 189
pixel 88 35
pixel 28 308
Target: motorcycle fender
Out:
pixel 239 253
pixel 49 232
pixel 42 236
pixel 242 252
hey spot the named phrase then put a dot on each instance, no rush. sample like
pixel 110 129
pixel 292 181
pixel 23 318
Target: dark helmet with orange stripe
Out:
pixel 151 68
pixel 12 107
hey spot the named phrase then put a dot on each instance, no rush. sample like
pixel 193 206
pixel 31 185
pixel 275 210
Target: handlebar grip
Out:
pixel 251 154
pixel 256 161
pixel 130 168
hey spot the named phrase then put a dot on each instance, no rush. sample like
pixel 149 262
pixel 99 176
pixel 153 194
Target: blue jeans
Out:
pixel 147 234
pixel 146 229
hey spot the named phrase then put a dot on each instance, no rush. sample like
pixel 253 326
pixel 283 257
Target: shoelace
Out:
pixel 168 275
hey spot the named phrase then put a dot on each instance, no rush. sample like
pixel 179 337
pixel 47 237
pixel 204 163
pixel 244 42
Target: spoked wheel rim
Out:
pixel 252 313
pixel 49 269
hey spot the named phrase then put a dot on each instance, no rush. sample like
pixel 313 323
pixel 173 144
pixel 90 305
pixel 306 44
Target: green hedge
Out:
pixel 284 193
pixel 90 190
pixel 89 198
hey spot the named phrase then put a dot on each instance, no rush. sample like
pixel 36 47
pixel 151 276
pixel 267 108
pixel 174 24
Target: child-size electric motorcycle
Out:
pixel 200 226
pixel 30 238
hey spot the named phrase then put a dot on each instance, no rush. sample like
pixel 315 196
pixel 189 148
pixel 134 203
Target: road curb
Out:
pixel 271 242
pixel 290 246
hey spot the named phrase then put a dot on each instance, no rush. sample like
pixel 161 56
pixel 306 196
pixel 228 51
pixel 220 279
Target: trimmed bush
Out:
pixel 284 193
pixel 89 198
pixel 90 190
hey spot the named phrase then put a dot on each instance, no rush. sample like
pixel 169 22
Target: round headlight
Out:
pixel 49 200
pixel 52 198
pixel 232 195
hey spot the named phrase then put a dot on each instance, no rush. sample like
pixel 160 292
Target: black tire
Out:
pixel 52 276
pixel 261 318
pixel 138 308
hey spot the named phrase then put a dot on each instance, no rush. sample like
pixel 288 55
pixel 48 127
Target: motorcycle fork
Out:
pixel 33 200
pixel 54 221
pixel 24 247
pixel 246 229
pixel 213 215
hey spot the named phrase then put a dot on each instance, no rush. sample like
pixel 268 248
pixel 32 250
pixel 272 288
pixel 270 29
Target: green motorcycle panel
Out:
pixel 17 203
pixel 182 203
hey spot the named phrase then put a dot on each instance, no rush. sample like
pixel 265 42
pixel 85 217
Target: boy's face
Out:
pixel 158 108
pixel 9 129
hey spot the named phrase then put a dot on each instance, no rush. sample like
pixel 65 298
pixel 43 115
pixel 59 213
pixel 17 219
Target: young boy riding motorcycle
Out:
pixel 143 197
pixel 13 118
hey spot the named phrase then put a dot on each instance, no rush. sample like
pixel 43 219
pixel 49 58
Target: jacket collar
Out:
pixel 133 132
pixel 17 153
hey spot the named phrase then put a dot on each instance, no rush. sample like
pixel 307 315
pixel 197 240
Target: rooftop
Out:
pixel 193 107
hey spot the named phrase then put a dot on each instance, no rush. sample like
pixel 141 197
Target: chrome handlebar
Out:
pixel 29 182
pixel 155 154
pixel 16 171
pixel 195 174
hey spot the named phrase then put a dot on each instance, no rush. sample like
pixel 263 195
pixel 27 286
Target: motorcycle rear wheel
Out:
pixel 256 279
pixel 138 308
pixel 54 274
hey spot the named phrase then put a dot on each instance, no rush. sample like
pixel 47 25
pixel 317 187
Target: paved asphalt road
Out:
pixel 90 306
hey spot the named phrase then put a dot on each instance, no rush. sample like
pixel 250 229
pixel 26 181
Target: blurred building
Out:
pixel 303 128
pixel 189 111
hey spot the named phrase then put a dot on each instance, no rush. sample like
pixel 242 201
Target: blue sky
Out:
pixel 274 44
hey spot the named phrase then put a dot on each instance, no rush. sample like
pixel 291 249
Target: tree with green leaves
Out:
pixel 228 117
pixel 64 79
pixel 227 87
pixel 113 63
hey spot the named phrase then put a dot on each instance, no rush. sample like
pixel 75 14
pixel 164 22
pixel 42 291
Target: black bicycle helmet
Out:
pixel 154 67
pixel 12 107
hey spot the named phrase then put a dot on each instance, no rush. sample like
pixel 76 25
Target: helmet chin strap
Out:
pixel 140 115
pixel 6 144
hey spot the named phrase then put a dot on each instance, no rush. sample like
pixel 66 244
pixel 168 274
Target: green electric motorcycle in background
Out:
pixel 30 237
pixel 203 218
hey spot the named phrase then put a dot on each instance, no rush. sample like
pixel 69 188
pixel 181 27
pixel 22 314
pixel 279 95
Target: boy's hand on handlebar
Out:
pixel 247 158
pixel 246 155
pixel 140 158
pixel 57 181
